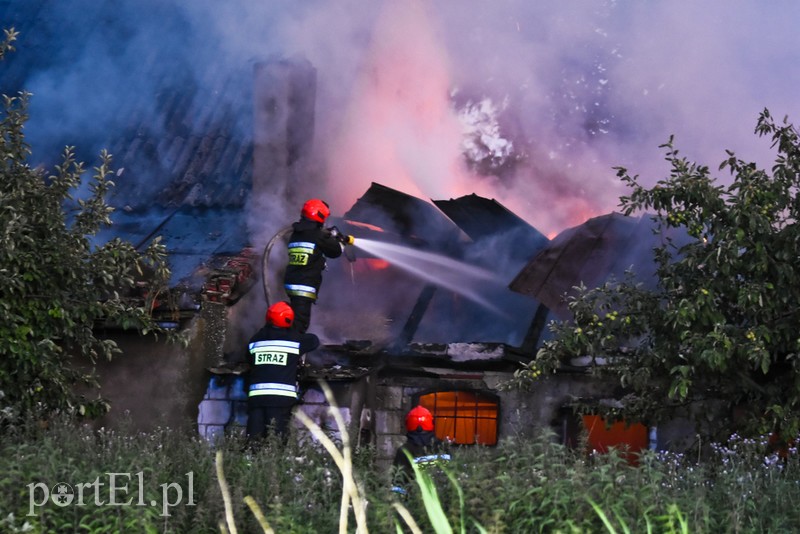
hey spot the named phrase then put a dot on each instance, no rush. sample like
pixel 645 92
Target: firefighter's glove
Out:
pixel 344 239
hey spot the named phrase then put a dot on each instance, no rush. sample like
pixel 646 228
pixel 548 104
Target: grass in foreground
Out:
pixel 168 481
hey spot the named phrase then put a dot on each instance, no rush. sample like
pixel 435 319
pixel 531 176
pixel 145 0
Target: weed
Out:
pixel 314 483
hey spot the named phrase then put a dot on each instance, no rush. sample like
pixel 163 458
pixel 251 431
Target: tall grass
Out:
pixel 521 485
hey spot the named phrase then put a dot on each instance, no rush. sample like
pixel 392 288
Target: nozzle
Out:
pixel 342 238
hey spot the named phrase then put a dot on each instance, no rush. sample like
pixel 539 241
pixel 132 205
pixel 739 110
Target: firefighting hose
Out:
pixel 280 236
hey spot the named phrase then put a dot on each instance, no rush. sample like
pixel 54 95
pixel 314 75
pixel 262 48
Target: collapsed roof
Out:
pixel 492 227
pixel 462 308
pixel 591 253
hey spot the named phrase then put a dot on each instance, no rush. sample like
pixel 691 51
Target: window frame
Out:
pixel 479 396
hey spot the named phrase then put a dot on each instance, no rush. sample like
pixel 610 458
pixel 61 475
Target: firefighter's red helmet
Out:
pixel 419 416
pixel 281 315
pixel 316 210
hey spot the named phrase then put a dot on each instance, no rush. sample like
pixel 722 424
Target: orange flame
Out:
pixel 377 264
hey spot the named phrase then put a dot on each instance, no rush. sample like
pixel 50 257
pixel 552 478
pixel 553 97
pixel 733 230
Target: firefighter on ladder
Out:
pixel 310 244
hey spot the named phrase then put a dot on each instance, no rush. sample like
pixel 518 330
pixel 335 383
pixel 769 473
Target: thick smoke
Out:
pixel 588 85
pixel 568 89
pixel 582 86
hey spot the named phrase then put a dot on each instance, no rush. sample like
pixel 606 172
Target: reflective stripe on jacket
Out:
pixel 298 290
pixel 309 246
pixel 272 388
pixel 274 354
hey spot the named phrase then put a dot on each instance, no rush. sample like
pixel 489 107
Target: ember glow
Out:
pixel 366 226
pixel 370 264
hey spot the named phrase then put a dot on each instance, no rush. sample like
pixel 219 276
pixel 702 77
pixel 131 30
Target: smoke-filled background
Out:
pixel 531 103
pixel 528 103
pixel 575 88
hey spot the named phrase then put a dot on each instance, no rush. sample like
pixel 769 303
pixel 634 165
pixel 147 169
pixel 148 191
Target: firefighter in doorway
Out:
pixel 310 244
pixel 274 354
pixel 422 448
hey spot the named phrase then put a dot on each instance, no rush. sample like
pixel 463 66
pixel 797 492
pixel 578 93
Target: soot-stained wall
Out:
pixel 154 383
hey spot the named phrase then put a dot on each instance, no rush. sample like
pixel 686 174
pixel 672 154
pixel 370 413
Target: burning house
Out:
pixel 449 346
pixel 439 302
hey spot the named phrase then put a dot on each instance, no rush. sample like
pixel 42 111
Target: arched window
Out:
pixel 464 417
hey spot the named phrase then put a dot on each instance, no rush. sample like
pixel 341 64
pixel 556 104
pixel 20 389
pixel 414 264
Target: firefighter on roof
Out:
pixel 310 244
pixel 274 354
pixel 422 448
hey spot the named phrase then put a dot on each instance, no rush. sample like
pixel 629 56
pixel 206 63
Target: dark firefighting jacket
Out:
pixel 274 355
pixel 426 452
pixel 309 246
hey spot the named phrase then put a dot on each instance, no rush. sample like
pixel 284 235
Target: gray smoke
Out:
pixel 575 87
pixel 582 86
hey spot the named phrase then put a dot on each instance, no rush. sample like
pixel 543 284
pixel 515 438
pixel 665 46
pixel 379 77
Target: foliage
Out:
pixel 721 327
pixel 521 485
pixel 56 283
pixel 435 510
pixel 6 45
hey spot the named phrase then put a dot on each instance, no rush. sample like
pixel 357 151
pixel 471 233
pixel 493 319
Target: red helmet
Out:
pixel 281 315
pixel 316 210
pixel 419 416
